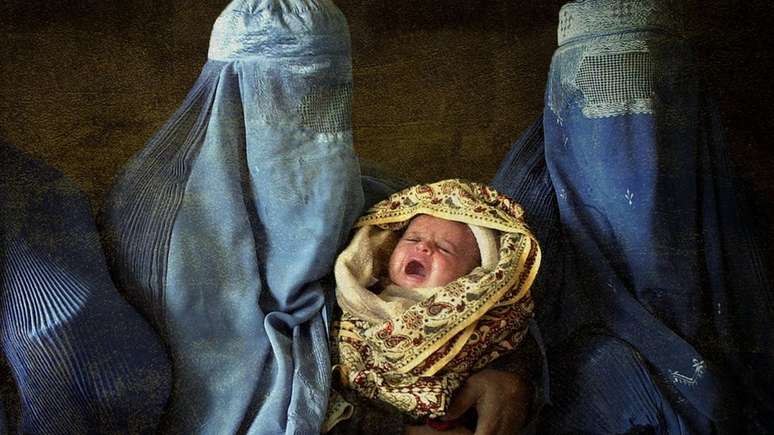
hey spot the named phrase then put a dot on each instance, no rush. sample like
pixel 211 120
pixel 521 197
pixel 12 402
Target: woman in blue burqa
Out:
pixel 655 307
pixel 221 228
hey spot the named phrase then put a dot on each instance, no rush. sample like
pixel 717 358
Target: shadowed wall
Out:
pixel 442 88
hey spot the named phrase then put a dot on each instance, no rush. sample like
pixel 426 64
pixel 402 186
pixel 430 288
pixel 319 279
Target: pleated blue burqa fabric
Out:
pixel 81 359
pixel 220 229
pixel 655 303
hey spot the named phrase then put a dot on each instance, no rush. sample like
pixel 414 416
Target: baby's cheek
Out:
pixel 393 263
pixel 448 271
pixel 394 258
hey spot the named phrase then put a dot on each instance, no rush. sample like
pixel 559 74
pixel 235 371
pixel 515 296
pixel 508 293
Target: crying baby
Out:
pixel 434 285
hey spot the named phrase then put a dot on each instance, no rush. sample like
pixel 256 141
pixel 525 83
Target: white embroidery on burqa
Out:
pixel 629 197
pixel 698 372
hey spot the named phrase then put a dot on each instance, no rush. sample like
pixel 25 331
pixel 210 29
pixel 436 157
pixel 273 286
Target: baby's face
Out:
pixel 432 253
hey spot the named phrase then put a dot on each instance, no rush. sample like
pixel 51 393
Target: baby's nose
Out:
pixel 425 246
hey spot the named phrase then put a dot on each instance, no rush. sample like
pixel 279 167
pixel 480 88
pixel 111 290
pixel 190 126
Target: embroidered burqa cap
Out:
pixel 412 349
pixel 219 229
pixel 281 28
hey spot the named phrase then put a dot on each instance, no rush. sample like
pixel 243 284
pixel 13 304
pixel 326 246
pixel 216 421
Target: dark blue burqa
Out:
pixel 80 358
pixel 654 301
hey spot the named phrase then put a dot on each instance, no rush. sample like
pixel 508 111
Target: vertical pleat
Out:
pixel 81 359
pixel 144 202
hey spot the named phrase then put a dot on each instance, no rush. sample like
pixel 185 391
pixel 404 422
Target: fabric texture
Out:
pixel 656 255
pixel 222 226
pixel 488 246
pixel 413 348
pixel 82 360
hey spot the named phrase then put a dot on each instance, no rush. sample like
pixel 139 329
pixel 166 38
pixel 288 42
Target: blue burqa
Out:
pixel 655 304
pixel 80 358
pixel 220 229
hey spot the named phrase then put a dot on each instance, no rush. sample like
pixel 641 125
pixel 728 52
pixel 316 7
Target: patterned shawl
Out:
pixel 413 353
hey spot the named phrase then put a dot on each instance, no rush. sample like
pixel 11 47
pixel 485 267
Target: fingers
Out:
pixel 459 430
pixel 502 403
pixel 489 417
pixel 465 399
pixel 500 399
pixel 427 430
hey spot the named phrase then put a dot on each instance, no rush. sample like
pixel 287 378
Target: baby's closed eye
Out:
pixel 446 248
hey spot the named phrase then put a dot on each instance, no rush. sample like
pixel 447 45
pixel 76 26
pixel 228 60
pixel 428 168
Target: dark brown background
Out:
pixel 86 82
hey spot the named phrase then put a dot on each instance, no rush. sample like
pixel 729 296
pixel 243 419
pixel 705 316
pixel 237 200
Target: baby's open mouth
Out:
pixel 415 268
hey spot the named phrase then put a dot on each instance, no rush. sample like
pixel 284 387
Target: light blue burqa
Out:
pixel 220 229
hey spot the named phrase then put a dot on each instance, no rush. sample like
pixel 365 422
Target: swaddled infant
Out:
pixel 433 286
